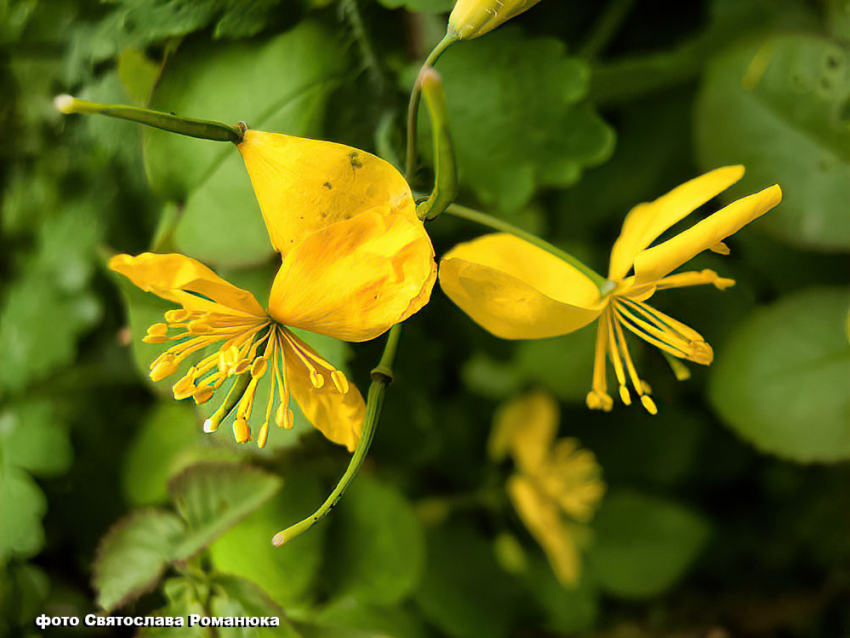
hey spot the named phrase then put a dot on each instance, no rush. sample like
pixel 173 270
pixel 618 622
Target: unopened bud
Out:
pixel 473 18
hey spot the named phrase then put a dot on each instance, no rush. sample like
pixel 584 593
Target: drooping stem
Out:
pixel 201 129
pixel 413 106
pixel 445 165
pixel 382 376
pixel 497 224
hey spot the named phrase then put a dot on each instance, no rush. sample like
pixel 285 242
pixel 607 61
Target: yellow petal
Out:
pixel 338 415
pixel 356 279
pixel 656 262
pixel 540 515
pixel 473 18
pixel 303 185
pixel 525 427
pixel 175 276
pixel 645 222
pixel 516 290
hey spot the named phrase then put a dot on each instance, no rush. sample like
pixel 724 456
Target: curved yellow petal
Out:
pixel 645 222
pixel 516 290
pixel 174 276
pixel 540 515
pixel 656 262
pixel 336 410
pixel 356 279
pixel 526 428
pixel 303 185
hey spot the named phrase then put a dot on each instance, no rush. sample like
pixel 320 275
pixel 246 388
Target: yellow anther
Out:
pixel 263 436
pixel 184 388
pixel 701 353
pixel 720 248
pixel 316 379
pixel 200 327
pixel 647 389
pixel 177 316
pixel 158 330
pixel 259 367
pixel 202 394
pixel 649 404
pixel 625 396
pixel 242 367
pixel 153 339
pixel 340 381
pixel 241 431
pixel 597 400
pixel 166 367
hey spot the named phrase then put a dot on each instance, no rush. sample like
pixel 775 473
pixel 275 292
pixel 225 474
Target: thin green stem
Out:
pixel 445 166
pixel 202 129
pixel 413 106
pixel 615 12
pixel 382 376
pixel 497 224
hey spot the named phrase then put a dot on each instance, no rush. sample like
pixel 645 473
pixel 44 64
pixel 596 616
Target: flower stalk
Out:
pixel 201 129
pixel 445 165
pixel 382 376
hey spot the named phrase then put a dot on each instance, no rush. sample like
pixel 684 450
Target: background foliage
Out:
pixel 727 514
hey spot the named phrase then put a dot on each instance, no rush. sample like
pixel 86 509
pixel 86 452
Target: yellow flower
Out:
pixel 519 291
pixel 473 18
pixel 558 484
pixel 356 261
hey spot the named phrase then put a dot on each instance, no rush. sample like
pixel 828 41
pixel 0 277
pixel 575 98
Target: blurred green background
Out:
pixel 728 514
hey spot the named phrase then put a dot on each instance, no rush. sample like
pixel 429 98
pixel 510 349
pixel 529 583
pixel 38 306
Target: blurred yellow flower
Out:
pixel 519 291
pixel 351 280
pixel 557 486
pixel 473 18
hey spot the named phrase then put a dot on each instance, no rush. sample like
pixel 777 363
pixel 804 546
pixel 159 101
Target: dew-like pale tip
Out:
pixel 64 103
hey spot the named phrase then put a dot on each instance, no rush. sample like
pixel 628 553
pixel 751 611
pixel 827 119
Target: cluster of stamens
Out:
pixel 244 348
pixel 656 328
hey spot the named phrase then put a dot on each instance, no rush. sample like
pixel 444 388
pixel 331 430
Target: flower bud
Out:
pixel 473 18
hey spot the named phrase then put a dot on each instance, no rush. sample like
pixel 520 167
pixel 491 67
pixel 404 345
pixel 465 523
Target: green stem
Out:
pixel 382 376
pixel 497 224
pixel 413 106
pixel 445 166
pixel 202 129
pixel 615 12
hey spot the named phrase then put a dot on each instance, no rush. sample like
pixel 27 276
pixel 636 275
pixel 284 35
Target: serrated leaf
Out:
pixel 779 106
pixel 278 85
pixel 643 544
pixel 183 596
pixel 134 554
pixel 236 597
pixel 518 117
pixel 286 573
pixel 212 497
pixel 380 543
pixel 781 382
pixel 463 592
pixel 22 505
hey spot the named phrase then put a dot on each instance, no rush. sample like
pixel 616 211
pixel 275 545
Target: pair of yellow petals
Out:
pixel 356 260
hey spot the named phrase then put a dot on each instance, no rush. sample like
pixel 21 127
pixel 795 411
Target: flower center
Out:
pixel 247 349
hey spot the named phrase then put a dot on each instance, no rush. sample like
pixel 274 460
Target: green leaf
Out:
pixel 286 573
pixel 279 85
pixel 184 598
pixel 32 439
pixel 568 610
pixel 138 74
pixel 421 6
pixel 152 458
pixel 781 107
pixel 23 591
pixel 518 117
pixel 236 597
pixel 380 543
pixel 349 613
pixel 644 544
pixel 133 556
pixel 463 592
pixel 212 497
pixel 781 381
pixel 22 505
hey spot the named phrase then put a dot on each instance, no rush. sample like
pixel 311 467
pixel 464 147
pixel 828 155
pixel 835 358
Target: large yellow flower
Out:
pixel 356 260
pixel 557 484
pixel 519 291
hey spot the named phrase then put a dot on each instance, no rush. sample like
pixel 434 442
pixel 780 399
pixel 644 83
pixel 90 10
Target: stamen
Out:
pixel 682 372
pixel 164 368
pixel 241 431
pixel 614 355
pixel 666 341
pixel 202 395
pixel 697 349
pixel 158 330
pixel 340 381
pixel 630 366
pixel 598 398
pixel 176 316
